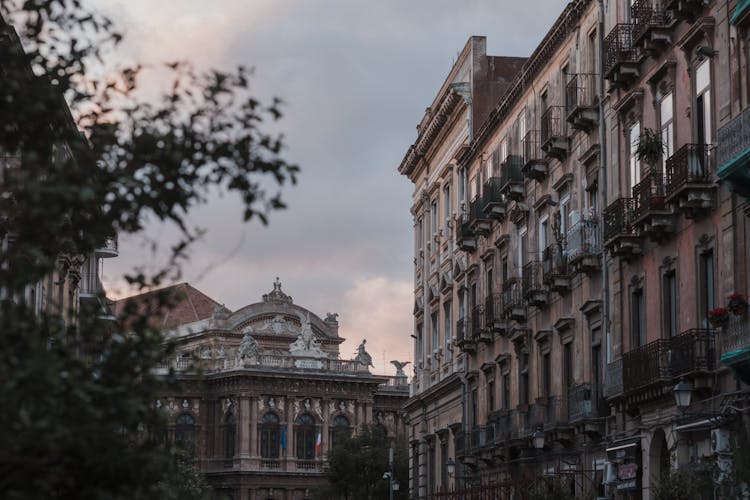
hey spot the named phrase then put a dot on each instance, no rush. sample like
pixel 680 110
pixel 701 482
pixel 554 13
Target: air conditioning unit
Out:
pixel 610 473
pixel 720 441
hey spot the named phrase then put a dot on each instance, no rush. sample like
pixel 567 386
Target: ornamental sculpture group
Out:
pixel 306 348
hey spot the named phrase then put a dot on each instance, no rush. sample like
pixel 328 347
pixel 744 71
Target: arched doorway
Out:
pixel 658 457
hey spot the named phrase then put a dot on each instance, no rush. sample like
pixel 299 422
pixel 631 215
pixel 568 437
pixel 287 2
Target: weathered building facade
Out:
pixel 596 224
pixel 264 394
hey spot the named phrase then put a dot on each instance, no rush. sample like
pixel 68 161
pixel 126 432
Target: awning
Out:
pixel 622 447
pixel 697 425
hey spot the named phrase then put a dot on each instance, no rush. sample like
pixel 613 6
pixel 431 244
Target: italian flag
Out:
pixel 318 445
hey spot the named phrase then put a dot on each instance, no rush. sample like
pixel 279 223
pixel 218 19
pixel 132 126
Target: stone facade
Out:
pixel 563 281
pixel 272 395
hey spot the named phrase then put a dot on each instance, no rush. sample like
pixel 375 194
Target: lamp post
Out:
pixel 683 393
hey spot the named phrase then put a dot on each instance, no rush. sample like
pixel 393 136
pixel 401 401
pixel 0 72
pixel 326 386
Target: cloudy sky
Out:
pixel 356 77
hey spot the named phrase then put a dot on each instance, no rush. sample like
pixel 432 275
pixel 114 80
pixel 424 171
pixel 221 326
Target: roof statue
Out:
pixel 248 349
pixel 276 294
pixel 400 367
pixel 306 344
pixel 362 355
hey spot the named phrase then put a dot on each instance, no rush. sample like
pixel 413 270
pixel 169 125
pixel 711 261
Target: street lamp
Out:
pixel 683 392
pixel 538 437
pixel 450 466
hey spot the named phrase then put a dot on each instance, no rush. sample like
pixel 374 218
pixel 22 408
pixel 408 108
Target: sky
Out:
pixel 356 78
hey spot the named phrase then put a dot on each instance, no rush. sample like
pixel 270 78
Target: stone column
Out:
pixel 368 412
pixel 289 429
pixel 244 427
pixel 326 424
pixel 254 427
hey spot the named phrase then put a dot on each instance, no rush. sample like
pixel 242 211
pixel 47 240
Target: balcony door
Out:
pixel 634 135
pixel 703 103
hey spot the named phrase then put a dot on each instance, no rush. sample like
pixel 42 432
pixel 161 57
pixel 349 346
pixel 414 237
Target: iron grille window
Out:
pixel 270 436
pixel 305 437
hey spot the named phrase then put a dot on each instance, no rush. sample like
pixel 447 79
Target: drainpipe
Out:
pixel 603 187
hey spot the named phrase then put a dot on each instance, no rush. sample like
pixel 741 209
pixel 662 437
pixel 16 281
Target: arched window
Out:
pixel 270 436
pixel 184 431
pixel 230 430
pixel 341 429
pixel 305 437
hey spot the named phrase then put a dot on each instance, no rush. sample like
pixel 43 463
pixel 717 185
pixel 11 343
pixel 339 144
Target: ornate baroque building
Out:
pixel 272 395
pixel 581 257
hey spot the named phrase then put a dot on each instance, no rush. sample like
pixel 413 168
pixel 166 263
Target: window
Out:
pixel 543 223
pixel 666 116
pixel 270 436
pixel 523 376
pixel 473 188
pixel 420 345
pixel 703 102
pixel 419 237
pixel 564 212
pixel 592 55
pixel 444 465
pixel 474 410
pixel 341 429
pixel 431 472
pixel 447 209
pixel 546 374
pixel 434 216
pixel 638 320
pixel 305 433
pixel 184 431
pixel 706 293
pixel 490 282
pixel 567 374
pixel 461 174
pixel 522 247
pixel 434 330
pixel 596 365
pixel 504 268
pixel 490 395
pixel 506 390
pixel 635 164
pixel 669 303
pixel 415 468
pixel 230 431
pixel 448 325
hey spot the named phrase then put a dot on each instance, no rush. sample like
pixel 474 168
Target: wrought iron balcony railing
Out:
pixel 554 412
pixel 582 101
pixel 735 335
pixel 494 312
pixel 513 295
pixel 465 235
pixel 613 379
pixel 619 48
pixel 553 134
pixel 534 158
pixel 461 329
pixel 494 201
pixel 618 219
pixel 555 272
pixel 647 15
pixel 477 325
pixel 478 221
pixel 582 402
pixel 663 360
pixel 691 164
pixel 648 195
pixel 583 239
pixel 512 177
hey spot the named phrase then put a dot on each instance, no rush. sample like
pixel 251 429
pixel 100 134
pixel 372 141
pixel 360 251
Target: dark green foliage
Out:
pixel 683 485
pixel 649 148
pixel 356 465
pixel 78 397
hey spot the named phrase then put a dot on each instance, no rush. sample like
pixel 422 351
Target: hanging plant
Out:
pixel 719 316
pixel 649 148
pixel 737 304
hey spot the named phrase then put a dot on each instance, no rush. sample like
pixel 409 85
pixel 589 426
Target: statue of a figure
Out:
pixel 362 355
pixel 206 352
pixel 248 347
pixel 400 367
pixel 306 343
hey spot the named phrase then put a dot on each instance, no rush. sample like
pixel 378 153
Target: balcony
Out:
pixel 512 178
pixel 652 29
pixel 688 10
pixel 514 306
pixel 534 290
pixel 534 159
pixel 690 188
pixel 582 101
pixel 466 238
pixel 733 153
pixel 479 329
pixel 585 406
pixel 649 368
pixel 464 335
pixel 735 346
pixel 553 136
pixel 478 221
pixel 494 201
pixel 651 215
pixel 621 57
pixel 108 248
pixel 555 268
pixel 494 314
pixel 613 386
pixel 584 248
pixel 621 237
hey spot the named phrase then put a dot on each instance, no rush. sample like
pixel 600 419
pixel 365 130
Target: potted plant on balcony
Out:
pixel 719 316
pixel 649 149
pixel 737 304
